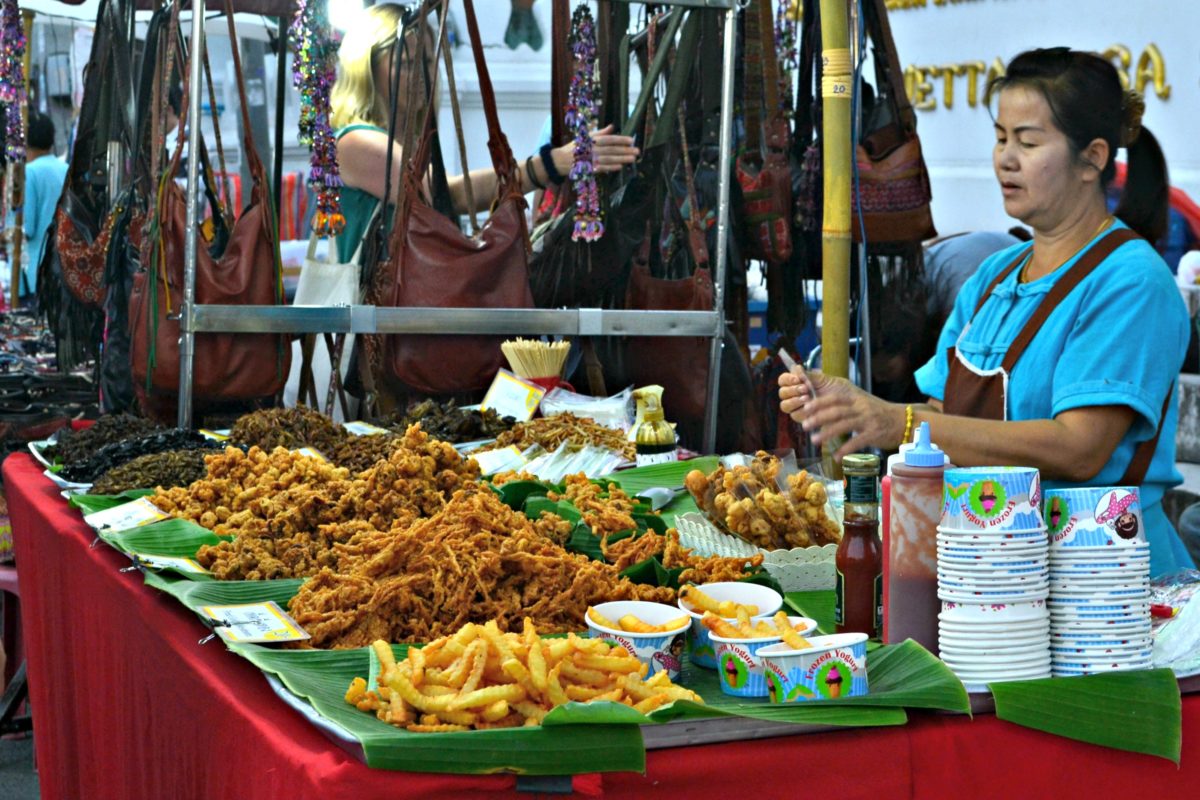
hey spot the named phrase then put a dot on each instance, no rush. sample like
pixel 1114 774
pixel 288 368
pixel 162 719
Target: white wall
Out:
pixel 957 141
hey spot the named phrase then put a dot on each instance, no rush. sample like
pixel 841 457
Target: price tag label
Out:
pixel 254 622
pixel 169 562
pixel 128 515
pixel 364 429
pixel 502 460
pixel 311 453
pixel 216 436
pixel 509 396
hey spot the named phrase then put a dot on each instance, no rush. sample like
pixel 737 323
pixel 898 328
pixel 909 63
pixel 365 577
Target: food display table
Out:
pixel 128 704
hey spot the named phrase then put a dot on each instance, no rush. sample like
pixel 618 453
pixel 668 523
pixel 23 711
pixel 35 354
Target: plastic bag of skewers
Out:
pixel 767 500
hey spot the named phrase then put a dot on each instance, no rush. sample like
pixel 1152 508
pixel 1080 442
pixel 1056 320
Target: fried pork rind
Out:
pixel 286 511
pixel 518 679
pixel 605 515
pixel 550 432
pixel 476 560
pixel 292 428
pixel 747 502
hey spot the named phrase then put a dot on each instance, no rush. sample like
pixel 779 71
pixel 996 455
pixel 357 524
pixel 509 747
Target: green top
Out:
pixel 357 207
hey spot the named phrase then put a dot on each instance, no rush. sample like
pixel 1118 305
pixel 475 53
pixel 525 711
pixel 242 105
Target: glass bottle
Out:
pixel 859 603
pixel 653 437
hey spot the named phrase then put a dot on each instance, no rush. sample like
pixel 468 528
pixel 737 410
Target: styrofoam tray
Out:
pixel 800 569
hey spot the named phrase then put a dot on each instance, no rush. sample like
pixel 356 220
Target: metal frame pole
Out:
pixel 187 335
pixel 725 165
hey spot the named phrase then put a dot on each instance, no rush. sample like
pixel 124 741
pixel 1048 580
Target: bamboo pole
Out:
pixel 18 178
pixel 836 94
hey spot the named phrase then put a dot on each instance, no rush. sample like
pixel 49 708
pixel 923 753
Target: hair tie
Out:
pixel 1132 109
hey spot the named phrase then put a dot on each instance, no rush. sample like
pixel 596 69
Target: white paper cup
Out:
pixel 739 667
pixel 835 666
pixel 1003 613
pixel 1095 516
pixel 991 498
pixel 659 651
pixel 700 649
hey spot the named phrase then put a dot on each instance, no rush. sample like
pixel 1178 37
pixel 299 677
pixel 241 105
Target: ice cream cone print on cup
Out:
pixel 1107 516
pixel 992 499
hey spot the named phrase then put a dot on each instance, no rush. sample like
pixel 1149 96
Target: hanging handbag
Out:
pixel 763 169
pixel 574 274
pixel 893 192
pixel 433 264
pixel 248 272
pixel 71 286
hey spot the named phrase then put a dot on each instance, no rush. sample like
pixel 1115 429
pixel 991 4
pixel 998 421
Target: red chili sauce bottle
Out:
pixel 859 604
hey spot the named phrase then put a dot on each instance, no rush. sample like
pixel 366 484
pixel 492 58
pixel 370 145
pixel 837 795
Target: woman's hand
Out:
pixel 611 150
pixel 840 409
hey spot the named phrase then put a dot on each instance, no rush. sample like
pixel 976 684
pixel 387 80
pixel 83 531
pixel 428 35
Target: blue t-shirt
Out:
pixel 44 178
pixel 1118 339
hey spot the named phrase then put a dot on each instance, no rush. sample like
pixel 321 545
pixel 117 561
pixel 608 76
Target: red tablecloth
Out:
pixel 128 705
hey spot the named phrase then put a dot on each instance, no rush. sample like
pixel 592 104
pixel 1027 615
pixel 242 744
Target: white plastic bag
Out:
pixel 323 282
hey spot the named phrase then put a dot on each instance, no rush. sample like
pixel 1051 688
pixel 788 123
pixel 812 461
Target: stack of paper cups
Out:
pixel 1099 581
pixel 993 576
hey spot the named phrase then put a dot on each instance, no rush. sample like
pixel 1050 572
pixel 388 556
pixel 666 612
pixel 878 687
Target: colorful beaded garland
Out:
pixel 580 117
pixel 314 70
pixel 12 79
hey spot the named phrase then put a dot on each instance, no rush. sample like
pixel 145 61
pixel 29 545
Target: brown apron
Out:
pixel 983 394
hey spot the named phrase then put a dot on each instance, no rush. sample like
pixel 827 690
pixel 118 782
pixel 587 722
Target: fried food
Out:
pixel 605 509
pixel 550 432
pixel 699 600
pixel 359 453
pixel 286 511
pixel 449 423
pixel 519 678
pixel 76 446
pixel 172 468
pixel 698 569
pixel 747 502
pixel 292 428
pixel 476 560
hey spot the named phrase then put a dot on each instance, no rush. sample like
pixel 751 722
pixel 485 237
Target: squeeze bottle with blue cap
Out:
pixel 910 598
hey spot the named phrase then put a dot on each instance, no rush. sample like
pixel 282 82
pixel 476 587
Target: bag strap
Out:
pixel 612 23
pixel 888 67
pixel 560 69
pixel 456 111
pixel 752 81
pixel 810 74
pixel 710 82
pixel 653 72
pixel 1143 454
pixel 681 73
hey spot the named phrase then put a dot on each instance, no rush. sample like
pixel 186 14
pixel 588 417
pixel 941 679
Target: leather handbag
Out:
pixel 893 192
pixel 433 264
pixel 763 169
pixel 226 366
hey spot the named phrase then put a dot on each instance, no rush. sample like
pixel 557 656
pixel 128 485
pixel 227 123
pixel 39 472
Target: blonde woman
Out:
pixel 360 104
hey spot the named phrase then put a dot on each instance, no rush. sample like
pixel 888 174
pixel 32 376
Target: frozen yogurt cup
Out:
pixel 834 667
pixel 740 668
pixel 1105 516
pixel 661 652
pixel 991 499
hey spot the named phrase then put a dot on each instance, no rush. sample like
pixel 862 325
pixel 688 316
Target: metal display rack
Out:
pixel 362 319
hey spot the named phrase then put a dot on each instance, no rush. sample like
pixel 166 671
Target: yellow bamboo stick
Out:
pixel 836 93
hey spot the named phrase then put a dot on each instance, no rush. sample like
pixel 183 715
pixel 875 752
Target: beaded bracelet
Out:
pixel 552 173
pixel 531 173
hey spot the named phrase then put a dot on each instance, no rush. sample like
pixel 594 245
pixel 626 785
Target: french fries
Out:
pixel 480 678
pixel 725 609
pixel 632 624
pixel 779 625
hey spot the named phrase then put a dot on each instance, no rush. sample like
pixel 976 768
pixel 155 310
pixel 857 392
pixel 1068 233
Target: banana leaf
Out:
pixel 91 503
pixel 536 505
pixel 515 493
pixel 171 537
pixel 196 594
pixel 814 605
pixel 321 677
pixel 667 475
pixel 1138 711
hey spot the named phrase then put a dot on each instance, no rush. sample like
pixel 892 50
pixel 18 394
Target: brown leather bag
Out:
pixel 432 263
pixel 226 365
pixel 893 184
pixel 763 168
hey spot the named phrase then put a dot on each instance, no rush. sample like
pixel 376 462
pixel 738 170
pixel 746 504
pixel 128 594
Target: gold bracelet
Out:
pixel 908 422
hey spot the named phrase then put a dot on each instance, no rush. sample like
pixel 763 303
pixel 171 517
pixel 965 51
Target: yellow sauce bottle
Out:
pixel 655 439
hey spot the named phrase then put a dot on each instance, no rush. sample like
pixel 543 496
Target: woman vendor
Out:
pixel 360 100
pixel 1063 353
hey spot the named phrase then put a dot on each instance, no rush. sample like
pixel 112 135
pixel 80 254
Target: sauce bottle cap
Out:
pixel 924 453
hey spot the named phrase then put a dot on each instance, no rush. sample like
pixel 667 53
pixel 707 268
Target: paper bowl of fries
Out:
pixel 741 669
pixel 833 667
pixel 652 632
pixel 725 600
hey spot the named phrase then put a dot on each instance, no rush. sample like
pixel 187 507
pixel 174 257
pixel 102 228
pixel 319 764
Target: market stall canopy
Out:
pixel 90 9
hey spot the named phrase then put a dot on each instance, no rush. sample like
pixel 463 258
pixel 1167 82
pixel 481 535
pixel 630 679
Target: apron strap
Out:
pixel 1004 273
pixel 1064 286
pixel 1144 454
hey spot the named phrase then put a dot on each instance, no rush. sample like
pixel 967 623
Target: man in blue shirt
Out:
pixel 44 177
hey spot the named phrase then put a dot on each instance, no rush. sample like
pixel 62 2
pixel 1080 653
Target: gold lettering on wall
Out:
pixel 1150 70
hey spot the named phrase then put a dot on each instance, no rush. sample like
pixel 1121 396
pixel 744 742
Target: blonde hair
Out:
pixel 354 98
